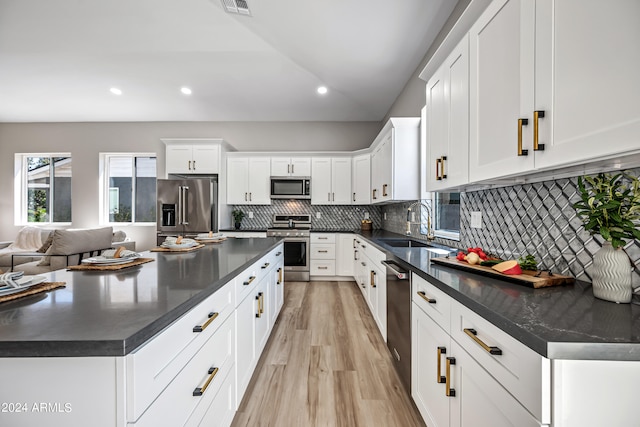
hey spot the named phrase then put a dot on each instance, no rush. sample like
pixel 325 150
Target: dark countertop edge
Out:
pixel 114 348
pixel 243 230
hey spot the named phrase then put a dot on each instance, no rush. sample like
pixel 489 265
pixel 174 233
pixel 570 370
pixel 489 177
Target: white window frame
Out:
pixel 105 189
pixel 443 234
pixel 21 185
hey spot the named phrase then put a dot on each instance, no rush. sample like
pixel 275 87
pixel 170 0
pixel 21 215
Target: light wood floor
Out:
pixel 326 365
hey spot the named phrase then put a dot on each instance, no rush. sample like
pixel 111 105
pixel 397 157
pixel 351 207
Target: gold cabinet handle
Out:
pixel 449 392
pixel 323 252
pixel 266 264
pixel 521 122
pixel 245 197
pixel 279 276
pixel 442 174
pixel 373 279
pixel 194 165
pixel 200 328
pixel 440 378
pixel 199 391
pixel 323 268
pixel 248 282
pixel 384 190
pixel 374 193
pixel 189 164
pixel 489 349
pixel 250 197
pixel 426 298
pixel 438 161
pixel 539 114
pixel 278 253
pixel 355 255
pixel 260 300
pixel 288 168
pixel 354 197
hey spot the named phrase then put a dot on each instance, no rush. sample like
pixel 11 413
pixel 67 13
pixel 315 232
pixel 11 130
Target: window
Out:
pixel 129 188
pixel 43 188
pixel 446 215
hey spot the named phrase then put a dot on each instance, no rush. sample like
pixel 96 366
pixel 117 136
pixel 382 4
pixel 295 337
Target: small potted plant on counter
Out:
pixel 238 215
pixel 610 206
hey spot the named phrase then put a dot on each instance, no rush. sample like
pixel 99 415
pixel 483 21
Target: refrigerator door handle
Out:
pixel 185 205
pixel 179 205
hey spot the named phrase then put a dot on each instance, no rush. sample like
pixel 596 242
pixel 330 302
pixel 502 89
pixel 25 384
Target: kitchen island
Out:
pixel 113 348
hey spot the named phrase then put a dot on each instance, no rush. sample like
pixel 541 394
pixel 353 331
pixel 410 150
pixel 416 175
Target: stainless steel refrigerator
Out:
pixel 187 206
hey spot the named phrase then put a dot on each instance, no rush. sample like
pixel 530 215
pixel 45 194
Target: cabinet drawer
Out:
pixel 177 402
pixel 322 267
pixel 431 300
pixel 156 364
pixel 323 251
pixel 220 411
pixel 520 370
pixel 322 238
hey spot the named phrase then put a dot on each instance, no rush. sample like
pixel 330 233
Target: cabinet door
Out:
pixel 501 89
pixel 361 180
pixel 321 181
pixel 479 399
pixel 280 166
pixel 587 61
pixel 341 181
pixel 380 278
pixel 206 159
pixel 300 166
pixel 279 281
pixel 261 318
pixel 258 179
pixel 178 159
pixel 344 255
pixel 386 168
pixel 237 180
pixel 245 338
pixel 376 176
pixel 430 345
pixel 448 116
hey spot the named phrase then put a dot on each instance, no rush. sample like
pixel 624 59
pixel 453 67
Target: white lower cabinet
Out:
pixel 322 254
pixel 370 275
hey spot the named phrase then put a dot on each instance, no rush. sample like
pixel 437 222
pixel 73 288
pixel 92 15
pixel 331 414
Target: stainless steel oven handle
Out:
pixel 402 275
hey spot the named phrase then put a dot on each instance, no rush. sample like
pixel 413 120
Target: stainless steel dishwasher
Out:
pixel 399 319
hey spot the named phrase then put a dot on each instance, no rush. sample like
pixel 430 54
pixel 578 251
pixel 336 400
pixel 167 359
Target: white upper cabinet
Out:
pixel 331 181
pixel 446 145
pixel 290 166
pixel 552 84
pixel 586 71
pixel 395 161
pixel 361 180
pixel 248 181
pixel 187 157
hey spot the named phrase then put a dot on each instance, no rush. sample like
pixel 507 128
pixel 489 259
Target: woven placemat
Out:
pixel 112 267
pixel 161 249
pixel 42 287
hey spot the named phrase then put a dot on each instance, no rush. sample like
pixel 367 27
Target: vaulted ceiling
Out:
pixel 59 59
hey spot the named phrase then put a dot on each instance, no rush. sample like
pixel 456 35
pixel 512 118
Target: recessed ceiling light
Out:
pixel 185 90
pixel 115 91
pixel 322 90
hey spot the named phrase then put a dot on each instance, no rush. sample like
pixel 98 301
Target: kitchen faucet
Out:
pixel 430 235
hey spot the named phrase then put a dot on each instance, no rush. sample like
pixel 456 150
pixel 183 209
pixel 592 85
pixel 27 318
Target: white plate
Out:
pixel 100 260
pixel 25 282
pixel 205 236
pixel 180 246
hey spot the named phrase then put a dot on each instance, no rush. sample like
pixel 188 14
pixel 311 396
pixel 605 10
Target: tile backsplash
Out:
pixel 332 217
pixel 531 218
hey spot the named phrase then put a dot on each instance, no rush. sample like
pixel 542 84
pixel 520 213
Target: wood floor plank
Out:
pixel 326 364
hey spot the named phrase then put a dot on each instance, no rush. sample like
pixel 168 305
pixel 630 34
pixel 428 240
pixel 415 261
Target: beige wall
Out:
pixel 86 140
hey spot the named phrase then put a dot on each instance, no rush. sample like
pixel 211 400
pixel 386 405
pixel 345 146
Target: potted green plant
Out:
pixel 610 206
pixel 238 215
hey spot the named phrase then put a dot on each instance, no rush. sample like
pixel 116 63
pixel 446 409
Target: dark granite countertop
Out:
pixel 244 230
pixel 563 322
pixel 112 313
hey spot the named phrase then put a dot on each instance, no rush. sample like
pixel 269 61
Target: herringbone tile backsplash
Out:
pixel 535 219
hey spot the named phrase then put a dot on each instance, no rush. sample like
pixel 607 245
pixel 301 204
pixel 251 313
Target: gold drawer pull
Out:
pixel 189 164
pixel 426 298
pixel 322 252
pixel 384 189
pixel 279 276
pixel 373 279
pixel 199 391
pixel 521 122
pixel 489 349
pixel 440 378
pixel 374 193
pixel 200 328
pixel 260 300
pixel 442 174
pixel 278 253
pixel 322 268
pixel 449 392
pixel 438 161
pixel 266 264
pixel 537 115
pixel 248 282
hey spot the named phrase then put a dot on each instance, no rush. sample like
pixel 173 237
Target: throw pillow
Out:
pixel 46 244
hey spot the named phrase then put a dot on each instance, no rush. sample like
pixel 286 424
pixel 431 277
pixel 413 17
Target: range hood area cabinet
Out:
pixel 193 156
pixel 561 73
pixel 248 180
pixel 290 166
pixel 331 181
pixel 395 161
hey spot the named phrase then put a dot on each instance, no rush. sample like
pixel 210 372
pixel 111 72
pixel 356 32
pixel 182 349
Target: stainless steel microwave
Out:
pixel 290 187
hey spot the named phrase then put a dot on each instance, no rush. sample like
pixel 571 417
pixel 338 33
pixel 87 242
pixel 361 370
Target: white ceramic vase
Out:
pixel 611 275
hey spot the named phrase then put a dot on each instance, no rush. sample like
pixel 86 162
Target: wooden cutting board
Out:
pixel 530 278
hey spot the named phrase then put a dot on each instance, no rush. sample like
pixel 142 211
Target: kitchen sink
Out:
pixel 411 243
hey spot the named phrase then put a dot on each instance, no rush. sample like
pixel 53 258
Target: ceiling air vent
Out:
pixel 236 6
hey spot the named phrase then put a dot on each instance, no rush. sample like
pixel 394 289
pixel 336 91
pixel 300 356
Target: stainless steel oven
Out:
pixel 295 230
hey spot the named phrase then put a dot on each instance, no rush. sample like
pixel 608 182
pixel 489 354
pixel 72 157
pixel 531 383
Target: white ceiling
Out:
pixel 59 58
